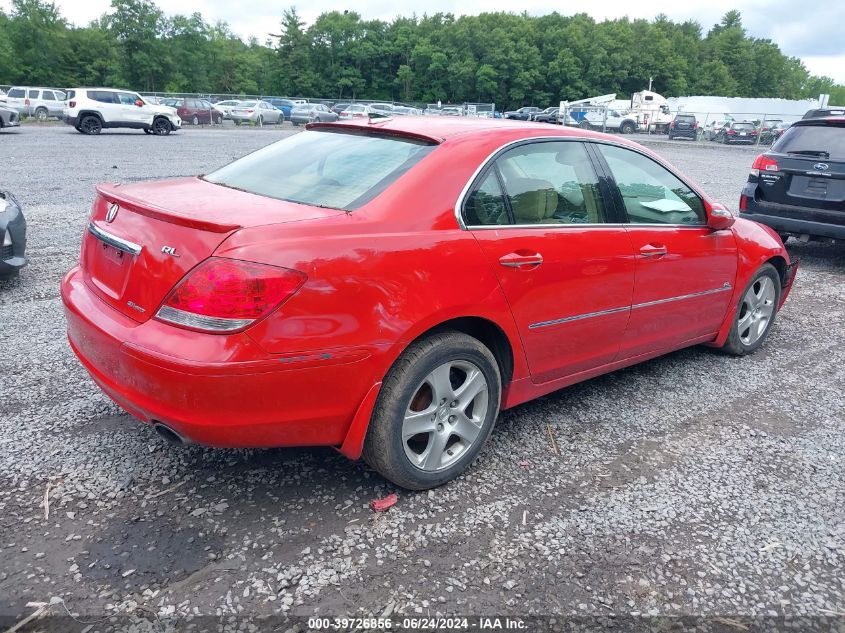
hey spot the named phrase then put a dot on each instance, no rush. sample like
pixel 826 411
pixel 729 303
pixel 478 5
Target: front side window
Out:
pixel 126 98
pixel 651 194
pixel 338 170
pixel 551 183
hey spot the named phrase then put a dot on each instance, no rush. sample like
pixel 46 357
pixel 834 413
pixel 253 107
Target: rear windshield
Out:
pixel 685 117
pixel 822 141
pixel 743 126
pixel 339 170
pixel 247 104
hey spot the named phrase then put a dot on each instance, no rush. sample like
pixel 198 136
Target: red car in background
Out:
pixel 196 111
pixel 403 282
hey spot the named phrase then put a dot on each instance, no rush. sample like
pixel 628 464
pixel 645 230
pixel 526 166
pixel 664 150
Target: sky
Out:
pixel 809 31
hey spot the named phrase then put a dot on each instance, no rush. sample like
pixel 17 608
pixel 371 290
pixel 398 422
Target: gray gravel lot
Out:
pixel 694 484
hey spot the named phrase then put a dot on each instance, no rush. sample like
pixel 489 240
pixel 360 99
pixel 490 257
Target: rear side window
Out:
pixel 47 95
pixel 485 206
pixel 16 93
pixel 328 169
pixel 821 141
pixel 103 96
pixel 70 94
pixel 33 94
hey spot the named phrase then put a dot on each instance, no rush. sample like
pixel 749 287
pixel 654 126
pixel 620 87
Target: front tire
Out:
pixel 756 312
pixel 162 127
pixel 41 114
pixel 627 128
pixel 436 409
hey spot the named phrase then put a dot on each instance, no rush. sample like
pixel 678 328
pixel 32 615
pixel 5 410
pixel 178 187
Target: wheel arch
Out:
pixel 487 331
pixel 84 113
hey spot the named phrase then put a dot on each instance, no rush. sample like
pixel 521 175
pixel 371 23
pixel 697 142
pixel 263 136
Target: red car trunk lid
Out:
pixel 142 239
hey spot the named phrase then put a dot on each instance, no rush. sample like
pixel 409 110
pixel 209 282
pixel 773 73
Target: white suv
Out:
pixel 90 110
pixel 38 102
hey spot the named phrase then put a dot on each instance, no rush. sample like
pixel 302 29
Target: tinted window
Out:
pixel 551 183
pixel 812 139
pixel 126 98
pixel 47 95
pixel 651 194
pixel 330 169
pixel 33 94
pixel 70 94
pixel 103 96
pixel 485 205
pixel 743 126
pixel 16 93
pixel 206 104
pixel 685 118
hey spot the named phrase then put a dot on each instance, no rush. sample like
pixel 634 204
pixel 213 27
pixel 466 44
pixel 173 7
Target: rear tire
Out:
pixel 90 124
pixel 756 313
pixel 446 385
pixel 41 114
pixel 218 119
pixel 585 125
pixel 195 120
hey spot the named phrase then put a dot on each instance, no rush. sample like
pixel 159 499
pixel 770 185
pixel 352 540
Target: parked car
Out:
pixel 357 111
pixel 776 132
pixel 406 111
pixel 89 110
pixel 451 111
pixel 765 127
pixel 522 114
pixel 715 128
pixel 823 112
pixel 9 117
pixel 683 126
pixel 386 108
pixel 199 111
pixel 311 113
pixel 226 106
pixel 13 231
pixel 40 103
pixel 285 106
pixel 738 132
pixel 310 309
pixel 798 186
pixel 611 121
pixel 549 115
pixel 258 112
pixel 337 108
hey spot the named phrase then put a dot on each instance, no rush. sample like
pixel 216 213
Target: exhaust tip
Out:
pixel 171 436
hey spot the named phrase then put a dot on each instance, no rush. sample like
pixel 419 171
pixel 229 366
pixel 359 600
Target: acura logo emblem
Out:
pixel 113 209
pixel 821 166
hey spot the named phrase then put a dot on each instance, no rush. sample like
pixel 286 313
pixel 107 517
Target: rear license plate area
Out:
pixel 108 268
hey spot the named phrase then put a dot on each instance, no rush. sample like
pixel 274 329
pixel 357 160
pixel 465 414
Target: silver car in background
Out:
pixel 226 107
pixel 310 113
pixel 40 103
pixel 9 117
pixel 256 111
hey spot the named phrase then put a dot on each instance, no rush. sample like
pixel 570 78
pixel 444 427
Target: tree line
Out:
pixel 510 59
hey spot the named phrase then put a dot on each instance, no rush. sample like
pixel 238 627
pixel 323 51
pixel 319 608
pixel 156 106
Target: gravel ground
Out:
pixel 695 484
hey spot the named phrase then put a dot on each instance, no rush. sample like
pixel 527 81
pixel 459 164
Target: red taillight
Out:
pixel 72 104
pixel 764 163
pixel 743 202
pixel 26 101
pixel 250 111
pixel 695 125
pixel 730 132
pixel 672 125
pixel 224 295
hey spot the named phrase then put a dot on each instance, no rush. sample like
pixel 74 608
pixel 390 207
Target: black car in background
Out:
pixel 683 126
pixel 798 186
pixel 743 132
pixel 13 234
pixel 549 115
pixel 522 114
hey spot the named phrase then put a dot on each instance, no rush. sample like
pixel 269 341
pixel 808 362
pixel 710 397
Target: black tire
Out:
pixel 90 124
pixel 195 120
pixel 734 345
pixel 783 236
pixel 585 125
pixel 294 124
pixel 671 137
pixel 161 126
pixel 147 130
pixel 41 114
pixel 725 140
pixel 237 121
pixel 384 449
pixel 627 128
pixel 281 117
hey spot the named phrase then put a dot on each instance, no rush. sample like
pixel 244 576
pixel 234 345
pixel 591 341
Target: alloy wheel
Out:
pixel 445 415
pixel 756 310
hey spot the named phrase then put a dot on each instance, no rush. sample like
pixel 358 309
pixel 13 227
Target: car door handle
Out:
pixel 653 250
pixel 518 260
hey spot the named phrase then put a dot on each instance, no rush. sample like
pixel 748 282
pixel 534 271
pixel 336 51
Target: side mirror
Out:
pixel 719 218
pixel 139 103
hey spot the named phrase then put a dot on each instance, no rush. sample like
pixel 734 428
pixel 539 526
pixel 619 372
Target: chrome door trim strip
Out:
pixel 725 288
pixel 113 240
pixel 577 317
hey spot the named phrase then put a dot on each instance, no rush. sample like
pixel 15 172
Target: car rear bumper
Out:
pixel 793 219
pixel 683 133
pixel 12 257
pixel 230 393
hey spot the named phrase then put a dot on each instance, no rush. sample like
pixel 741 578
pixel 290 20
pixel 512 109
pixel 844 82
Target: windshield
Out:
pixel 826 141
pixel 340 170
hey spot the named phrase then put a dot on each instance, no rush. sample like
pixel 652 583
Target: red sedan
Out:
pixel 386 288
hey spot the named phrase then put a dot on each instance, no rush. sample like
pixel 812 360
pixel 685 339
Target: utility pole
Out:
pixel 649 83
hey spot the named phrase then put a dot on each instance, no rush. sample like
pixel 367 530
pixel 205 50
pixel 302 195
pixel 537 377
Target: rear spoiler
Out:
pixel 112 193
pixel 373 127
